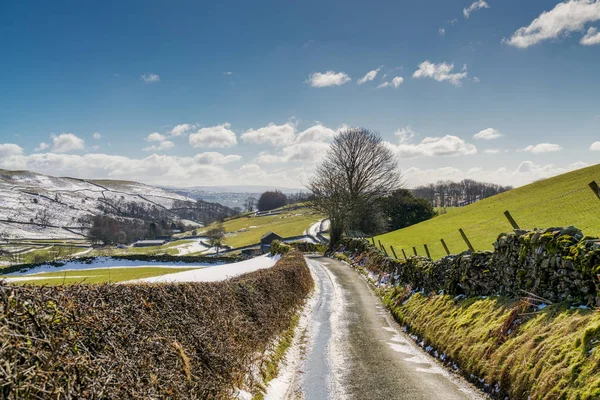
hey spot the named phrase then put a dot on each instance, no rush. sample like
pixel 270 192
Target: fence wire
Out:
pixel 580 208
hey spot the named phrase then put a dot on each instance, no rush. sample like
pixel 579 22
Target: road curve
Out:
pixel 352 349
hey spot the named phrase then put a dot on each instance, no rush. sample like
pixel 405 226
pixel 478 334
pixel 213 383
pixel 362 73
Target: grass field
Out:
pixel 247 230
pixel 43 254
pixel 168 248
pixel 556 202
pixel 99 275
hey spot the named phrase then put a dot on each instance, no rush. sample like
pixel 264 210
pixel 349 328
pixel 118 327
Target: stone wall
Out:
pixel 557 264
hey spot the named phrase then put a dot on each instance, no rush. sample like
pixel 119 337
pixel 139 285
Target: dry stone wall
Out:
pixel 557 264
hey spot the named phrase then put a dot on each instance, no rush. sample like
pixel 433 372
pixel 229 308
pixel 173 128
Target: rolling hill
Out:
pixel 36 206
pixel 560 201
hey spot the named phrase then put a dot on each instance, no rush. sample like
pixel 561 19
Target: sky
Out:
pixel 188 93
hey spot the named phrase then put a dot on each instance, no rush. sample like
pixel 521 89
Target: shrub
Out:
pixel 278 247
pixel 177 341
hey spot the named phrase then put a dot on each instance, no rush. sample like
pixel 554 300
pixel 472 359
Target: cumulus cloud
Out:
pixel 42 146
pixel 446 146
pixel 162 146
pixel 97 136
pixel 67 142
pixel 542 148
pixel 488 134
pixel 316 133
pixel 595 146
pixel 156 137
pixel 369 76
pixel 591 38
pixel 442 31
pixel 150 78
pixel 214 137
pixel 10 149
pixel 395 83
pixel 566 17
pixel 216 158
pixel 276 135
pixel 478 5
pixel 179 130
pixel 440 72
pixel 405 135
pixel 329 78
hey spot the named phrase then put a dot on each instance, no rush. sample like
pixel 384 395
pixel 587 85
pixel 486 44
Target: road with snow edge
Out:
pixel 348 347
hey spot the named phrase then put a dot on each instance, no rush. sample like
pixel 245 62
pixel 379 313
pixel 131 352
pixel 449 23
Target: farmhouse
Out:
pixel 149 243
pixel 267 239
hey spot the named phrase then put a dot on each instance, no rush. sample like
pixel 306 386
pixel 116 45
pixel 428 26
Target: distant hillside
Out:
pixel 556 202
pixel 39 206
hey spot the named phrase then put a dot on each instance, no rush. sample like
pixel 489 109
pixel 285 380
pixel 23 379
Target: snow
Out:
pixel 107 262
pixel 215 273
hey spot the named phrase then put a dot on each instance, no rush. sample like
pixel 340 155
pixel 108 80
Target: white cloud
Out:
pixel 156 137
pixel 150 78
pixel 276 135
pixel 162 146
pixel 491 151
pixel 215 158
pixel 542 148
pixel 10 149
pixel 228 73
pixel 66 142
pixel 442 32
pixel 478 5
pixel 405 135
pixel 595 146
pixel 214 137
pixel 591 38
pixel 476 79
pixel 566 17
pixel 526 172
pixel 440 72
pixel 395 83
pixel 42 146
pixel 488 134
pixel 316 133
pixel 180 129
pixel 447 146
pixel 97 136
pixel 369 76
pixel 329 78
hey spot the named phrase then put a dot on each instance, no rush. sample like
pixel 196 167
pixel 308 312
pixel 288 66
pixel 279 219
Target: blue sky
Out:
pixel 259 88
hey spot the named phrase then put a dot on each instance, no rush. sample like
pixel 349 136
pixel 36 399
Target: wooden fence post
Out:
pixel 427 251
pixel 373 239
pixel 595 188
pixel 404 253
pixel 466 239
pixel 445 246
pixel 393 251
pixel 415 251
pixel 512 221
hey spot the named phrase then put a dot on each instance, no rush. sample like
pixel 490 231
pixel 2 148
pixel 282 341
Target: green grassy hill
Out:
pixel 247 229
pixel 555 202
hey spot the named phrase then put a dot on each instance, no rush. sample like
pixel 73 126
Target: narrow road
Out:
pixel 350 348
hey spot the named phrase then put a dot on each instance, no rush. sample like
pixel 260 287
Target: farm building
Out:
pixel 267 239
pixel 149 243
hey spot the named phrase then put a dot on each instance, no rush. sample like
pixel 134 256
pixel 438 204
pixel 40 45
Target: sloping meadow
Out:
pixel 193 340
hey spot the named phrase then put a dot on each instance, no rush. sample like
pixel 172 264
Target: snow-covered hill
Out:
pixel 39 206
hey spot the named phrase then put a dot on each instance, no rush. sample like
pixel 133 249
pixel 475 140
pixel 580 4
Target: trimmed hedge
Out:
pixel 177 341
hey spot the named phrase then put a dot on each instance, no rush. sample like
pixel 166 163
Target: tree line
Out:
pixel 458 194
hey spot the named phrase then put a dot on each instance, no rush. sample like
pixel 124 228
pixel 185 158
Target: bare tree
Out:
pixel 358 170
pixel 215 236
pixel 249 204
pixel 43 217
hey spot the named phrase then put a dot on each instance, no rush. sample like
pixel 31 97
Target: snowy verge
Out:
pixel 214 273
